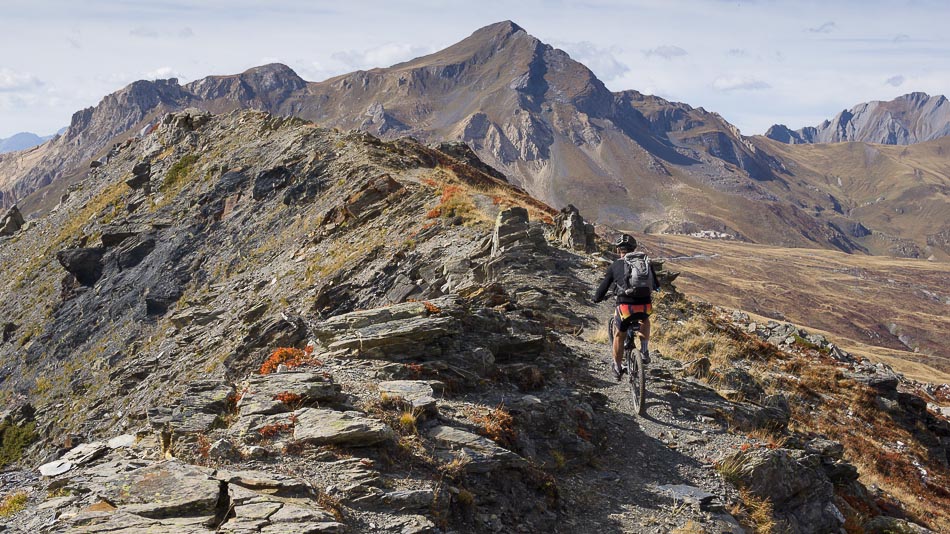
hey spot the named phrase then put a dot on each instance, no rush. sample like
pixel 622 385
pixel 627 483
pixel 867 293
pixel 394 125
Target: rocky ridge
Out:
pixel 250 324
pixel 908 119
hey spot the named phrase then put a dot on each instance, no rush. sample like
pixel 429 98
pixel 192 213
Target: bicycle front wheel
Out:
pixel 638 381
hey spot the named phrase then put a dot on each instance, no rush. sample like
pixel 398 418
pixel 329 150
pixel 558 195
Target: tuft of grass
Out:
pixel 407 421
pixel 759 512
pixel 731 468
pixel 179 172
pixel 455 468
pixel 13 440
pixel 691 527
pixel 13 503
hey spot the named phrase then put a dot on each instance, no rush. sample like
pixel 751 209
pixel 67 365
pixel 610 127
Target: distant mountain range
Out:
pixel 624 158
pixel 24 140
pixel 908 119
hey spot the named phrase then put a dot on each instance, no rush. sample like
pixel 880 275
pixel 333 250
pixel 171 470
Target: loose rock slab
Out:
pixel 415 392
pixel 165 490
pixel 318 426
pixel 483 454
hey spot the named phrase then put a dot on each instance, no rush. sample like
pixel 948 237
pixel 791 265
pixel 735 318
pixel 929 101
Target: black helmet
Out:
pixel 626 241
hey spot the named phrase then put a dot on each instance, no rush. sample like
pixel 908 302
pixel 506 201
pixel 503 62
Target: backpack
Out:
pixel 638 277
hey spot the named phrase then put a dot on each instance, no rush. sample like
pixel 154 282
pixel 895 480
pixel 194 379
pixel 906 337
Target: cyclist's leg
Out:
pixel 620 334
pixel 645 328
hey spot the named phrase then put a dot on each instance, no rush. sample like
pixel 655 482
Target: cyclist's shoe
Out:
pixel 618 371
pixel 646 357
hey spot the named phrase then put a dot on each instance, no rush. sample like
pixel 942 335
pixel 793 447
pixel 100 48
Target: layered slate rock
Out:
pixel 402 331
pixel 317 426
pixel 572 231
pixel 418 394
pixel 11 222
pixel 198 410
pixel 168 489
pixel 480 454
pixel 262 394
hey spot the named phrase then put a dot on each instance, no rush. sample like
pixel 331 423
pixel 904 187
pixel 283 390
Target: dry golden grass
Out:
pixel 759 512
pixel 693 339
pixel 853 298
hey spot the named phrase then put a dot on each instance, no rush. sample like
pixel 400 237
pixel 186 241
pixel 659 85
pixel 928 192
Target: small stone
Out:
pixel 56 467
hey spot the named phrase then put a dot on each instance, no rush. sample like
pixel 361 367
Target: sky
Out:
pixel 755 62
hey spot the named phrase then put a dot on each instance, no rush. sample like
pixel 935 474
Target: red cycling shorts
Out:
pixel 627 314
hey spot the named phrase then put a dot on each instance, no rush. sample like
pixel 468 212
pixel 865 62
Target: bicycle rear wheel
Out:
pixel 638 381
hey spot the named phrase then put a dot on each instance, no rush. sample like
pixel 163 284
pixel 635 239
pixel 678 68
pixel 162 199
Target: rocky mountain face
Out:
pixel 248 323
pixel 908 119
pixel 527 109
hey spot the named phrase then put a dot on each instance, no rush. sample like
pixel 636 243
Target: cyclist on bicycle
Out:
pixel 633 305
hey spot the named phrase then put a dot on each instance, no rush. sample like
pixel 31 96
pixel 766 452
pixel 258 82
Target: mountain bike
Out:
pixel 636 373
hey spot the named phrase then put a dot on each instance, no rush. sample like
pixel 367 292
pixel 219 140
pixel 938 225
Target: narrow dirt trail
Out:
pixel 675 443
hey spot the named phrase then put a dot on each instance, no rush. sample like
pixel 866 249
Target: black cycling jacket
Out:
pixel 614 276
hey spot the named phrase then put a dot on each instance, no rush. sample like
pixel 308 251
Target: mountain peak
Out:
pixel 504 28
pixel 278 69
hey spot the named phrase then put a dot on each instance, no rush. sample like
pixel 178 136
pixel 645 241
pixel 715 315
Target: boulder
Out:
pixel 261 392
pixel 168 489
pixel 11 222
pixel 401 331
pixel 801 494
pixel 198 409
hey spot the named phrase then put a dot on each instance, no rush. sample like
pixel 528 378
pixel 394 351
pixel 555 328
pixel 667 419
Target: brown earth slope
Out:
pixel 894 310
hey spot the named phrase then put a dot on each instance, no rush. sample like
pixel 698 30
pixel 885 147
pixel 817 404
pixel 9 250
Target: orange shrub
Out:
pixel 289 356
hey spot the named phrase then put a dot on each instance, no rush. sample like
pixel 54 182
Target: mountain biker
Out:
pixel 630 309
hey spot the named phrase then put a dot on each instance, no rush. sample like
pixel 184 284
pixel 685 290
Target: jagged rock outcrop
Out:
pixel 11 222
pixel 572 231
pixel 908 119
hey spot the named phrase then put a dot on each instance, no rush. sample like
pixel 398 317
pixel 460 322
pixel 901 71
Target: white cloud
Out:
pixel 665 52
pixel 162 73
pixel 602 61
pixel 739 83
pixel 379 56
pixel 827 27
pixel 13 81
pixel 895 81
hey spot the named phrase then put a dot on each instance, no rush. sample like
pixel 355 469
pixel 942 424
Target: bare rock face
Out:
pixel 908 119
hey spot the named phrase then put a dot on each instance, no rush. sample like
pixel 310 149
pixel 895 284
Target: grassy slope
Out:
pixel 861 300
pixel 900 190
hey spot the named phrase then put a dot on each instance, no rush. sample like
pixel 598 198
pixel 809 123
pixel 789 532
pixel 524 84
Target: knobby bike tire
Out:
pixel 638 381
